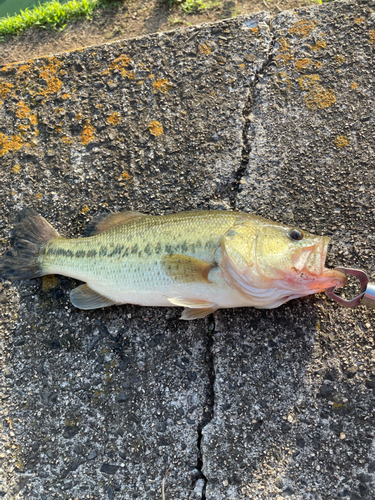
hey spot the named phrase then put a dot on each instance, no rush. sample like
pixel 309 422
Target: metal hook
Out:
pixel 367 297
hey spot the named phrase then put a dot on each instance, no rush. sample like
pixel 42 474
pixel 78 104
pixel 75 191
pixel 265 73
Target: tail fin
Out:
pixel 31 232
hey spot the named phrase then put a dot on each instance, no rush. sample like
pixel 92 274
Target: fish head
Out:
pixel 262 255
pixel 295 257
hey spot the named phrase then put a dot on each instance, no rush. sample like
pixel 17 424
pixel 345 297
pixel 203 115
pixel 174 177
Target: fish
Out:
pixel 200 260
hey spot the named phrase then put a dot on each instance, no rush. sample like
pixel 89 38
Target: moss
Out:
pixel 302 28
pixel 87 134
pixel 155 128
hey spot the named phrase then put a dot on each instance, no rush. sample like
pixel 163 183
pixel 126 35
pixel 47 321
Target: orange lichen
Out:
pixel 114 118
pixel 39 195
pixel 23 128
pixel 23 110
pixel 354 86
pixel 285 56
pixel 67 140
pixel 318 96
pixel 5 89
pixel 16 169
pixel 49 282
pixel 282 59
pixel 340 59
pixel 87 134
pixel 341 141
pixel 66 96
pixel 255 29
pixel 371 36
pixel 302 28
pixel 125 177
pixel 85 209
pixel 242 65
pixel 284 45
pixel 48 73
pixel 162 86
pixel 120 64
pixel 302 63
pixel 155 128
pixel 359 20
pixel 12 143
pixel 204 48
pixel 320 44
pixel 22 69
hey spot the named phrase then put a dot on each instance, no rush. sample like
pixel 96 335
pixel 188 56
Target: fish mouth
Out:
pixel 311 264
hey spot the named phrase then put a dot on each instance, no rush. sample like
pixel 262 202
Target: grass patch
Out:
pixel 190 6
pixel 53 14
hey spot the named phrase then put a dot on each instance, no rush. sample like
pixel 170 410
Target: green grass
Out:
pixel 190 6
pixel 53 14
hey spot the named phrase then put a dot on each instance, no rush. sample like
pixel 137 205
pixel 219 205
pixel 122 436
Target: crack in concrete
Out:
pixel 208 413
pixel 247 112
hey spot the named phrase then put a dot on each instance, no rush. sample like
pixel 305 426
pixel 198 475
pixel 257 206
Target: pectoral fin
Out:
pixel 184 269
pixel 83 297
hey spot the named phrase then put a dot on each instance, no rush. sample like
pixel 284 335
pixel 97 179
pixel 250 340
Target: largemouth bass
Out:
pixel 202 261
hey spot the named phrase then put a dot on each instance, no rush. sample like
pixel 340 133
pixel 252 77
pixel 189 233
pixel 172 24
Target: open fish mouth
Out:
pixel 311 265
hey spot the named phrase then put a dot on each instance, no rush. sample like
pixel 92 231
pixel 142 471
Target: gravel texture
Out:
pixel 268 115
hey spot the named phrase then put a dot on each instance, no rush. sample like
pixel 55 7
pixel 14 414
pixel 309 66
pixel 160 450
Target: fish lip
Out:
pixel 325 277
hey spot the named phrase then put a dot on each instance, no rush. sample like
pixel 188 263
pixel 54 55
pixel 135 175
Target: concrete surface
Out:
pixel 272 116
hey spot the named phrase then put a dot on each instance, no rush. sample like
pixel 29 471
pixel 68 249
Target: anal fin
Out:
pixel 83 297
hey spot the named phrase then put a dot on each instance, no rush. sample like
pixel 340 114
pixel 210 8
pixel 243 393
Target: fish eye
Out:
pixel 296 234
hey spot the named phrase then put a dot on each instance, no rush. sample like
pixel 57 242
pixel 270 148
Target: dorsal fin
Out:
pixel 103 222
